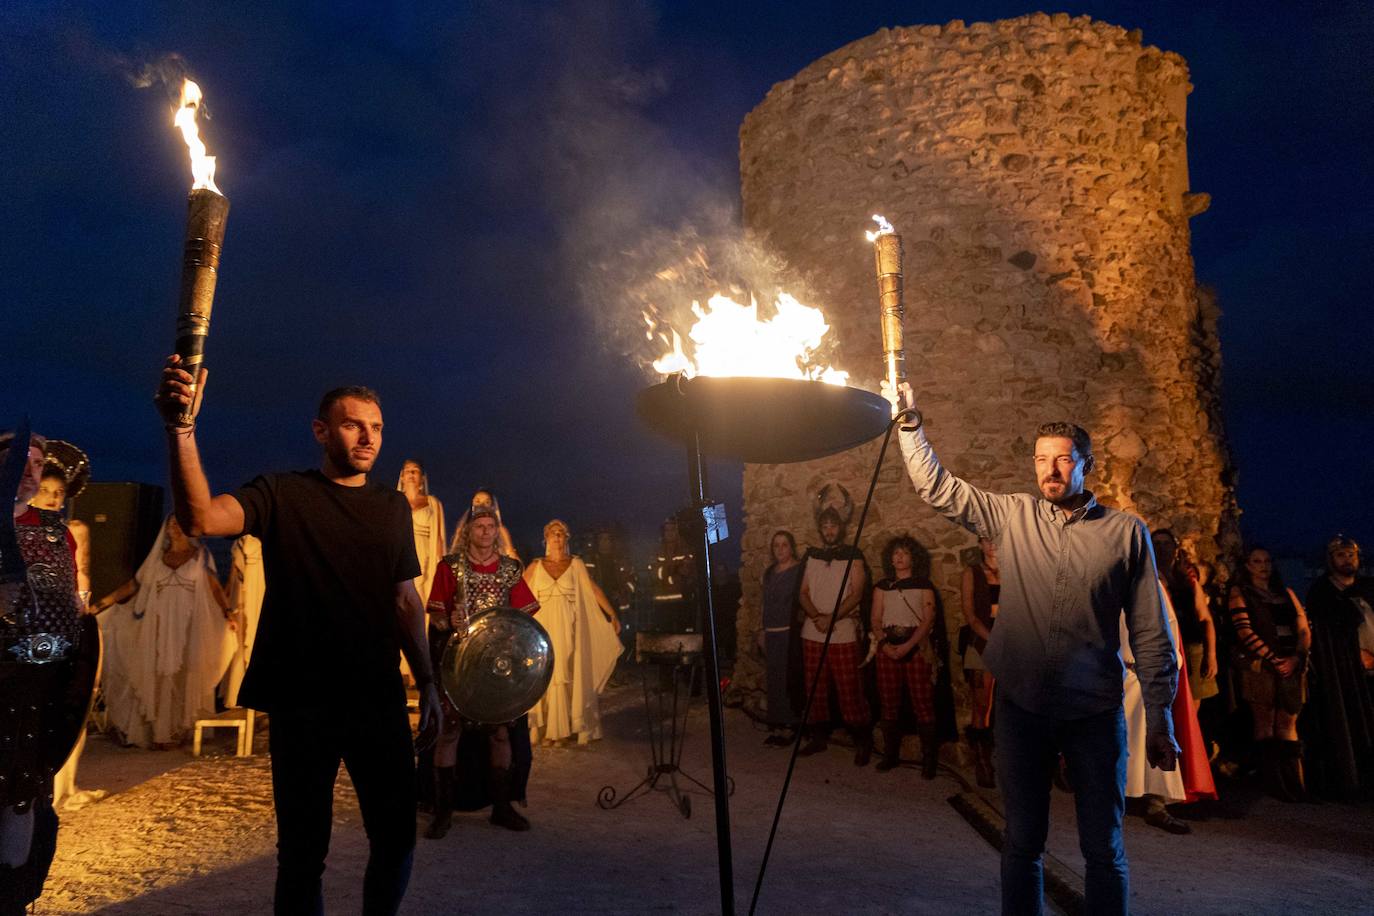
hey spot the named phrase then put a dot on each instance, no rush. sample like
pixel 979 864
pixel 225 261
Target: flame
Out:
pixel 202 166
pixel 729 340
pixel 884 228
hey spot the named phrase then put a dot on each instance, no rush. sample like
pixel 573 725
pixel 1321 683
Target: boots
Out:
pixel 863 744
pixel 1271 769
pixel 442 817
pixel 930 750
pixel 892 746
pixel 818 741
pixel 502 814
pixel 980 743
pixel 1290 769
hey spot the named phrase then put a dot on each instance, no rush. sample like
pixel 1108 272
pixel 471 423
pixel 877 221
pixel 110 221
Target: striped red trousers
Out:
pixel 914 671
pixel 842 667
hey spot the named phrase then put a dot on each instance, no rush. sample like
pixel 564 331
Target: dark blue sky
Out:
pixel 417 197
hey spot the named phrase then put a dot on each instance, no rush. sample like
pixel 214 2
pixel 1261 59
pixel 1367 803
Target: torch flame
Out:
pixel 202 166
pixel 884 228
pixel 729 340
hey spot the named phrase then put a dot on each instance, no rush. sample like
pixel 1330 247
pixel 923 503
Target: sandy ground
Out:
pixel 186 835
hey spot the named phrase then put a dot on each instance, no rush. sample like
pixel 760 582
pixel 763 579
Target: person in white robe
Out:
pixel 584 630
pixel 247 586
pixel 1158 787
pixel 168 642
pixel 427 518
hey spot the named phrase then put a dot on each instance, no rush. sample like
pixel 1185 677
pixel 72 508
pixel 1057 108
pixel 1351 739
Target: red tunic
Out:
pixel 445 589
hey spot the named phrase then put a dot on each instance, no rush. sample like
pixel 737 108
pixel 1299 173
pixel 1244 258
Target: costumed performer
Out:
pixel 66 469
pixel 981 591
pixel 780 639
pixel 583 628
pixel 167 644
pixel 48 656
pixel 485 499
pixel 474 579
pixel 904 614
pixel 247 587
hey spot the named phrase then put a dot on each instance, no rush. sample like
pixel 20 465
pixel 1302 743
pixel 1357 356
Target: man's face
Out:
pixel 830 532
pixel 1345 561
pixel 483 532
pixel 1059 469
pixel 352 437
pixel 52 493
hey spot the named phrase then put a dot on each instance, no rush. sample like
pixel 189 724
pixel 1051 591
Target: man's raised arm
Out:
pixel 197 511
pixel 957 500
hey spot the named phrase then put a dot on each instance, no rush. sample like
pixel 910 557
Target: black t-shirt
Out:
pixel 332 556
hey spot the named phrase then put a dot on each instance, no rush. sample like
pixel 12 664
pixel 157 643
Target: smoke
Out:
pixel 647 213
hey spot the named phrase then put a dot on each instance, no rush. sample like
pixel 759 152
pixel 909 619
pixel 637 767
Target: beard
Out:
pixel 1056 491
pixel 344 459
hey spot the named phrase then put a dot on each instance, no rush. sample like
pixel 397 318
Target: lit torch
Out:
pixel 208 210
pixel 887 249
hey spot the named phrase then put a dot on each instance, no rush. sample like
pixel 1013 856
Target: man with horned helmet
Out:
pixel 827 568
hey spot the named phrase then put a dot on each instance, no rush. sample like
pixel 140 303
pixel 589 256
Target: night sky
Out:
pixel 431 201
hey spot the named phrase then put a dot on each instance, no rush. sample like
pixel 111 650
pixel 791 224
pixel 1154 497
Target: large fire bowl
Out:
pixel 764 420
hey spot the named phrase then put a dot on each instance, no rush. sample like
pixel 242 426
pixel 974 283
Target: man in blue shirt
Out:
pixel 1070 567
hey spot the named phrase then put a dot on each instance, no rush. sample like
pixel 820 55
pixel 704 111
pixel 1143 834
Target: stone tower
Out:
pixel 1037 171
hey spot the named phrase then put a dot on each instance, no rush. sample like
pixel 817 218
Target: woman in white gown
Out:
pixel 247 586
pixel 584 629
pixel 427 518
pixel 1143 780
pixel 167 644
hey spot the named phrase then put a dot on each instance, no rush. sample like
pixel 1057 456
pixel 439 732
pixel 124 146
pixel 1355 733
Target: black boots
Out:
pixel 930 750
pixel 502 814
pixel 442 817
pixel 1290 769
pixel 980 744
pixel 863 744
pixel 892 746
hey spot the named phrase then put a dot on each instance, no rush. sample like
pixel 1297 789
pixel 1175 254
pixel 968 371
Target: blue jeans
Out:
pixel 1028 749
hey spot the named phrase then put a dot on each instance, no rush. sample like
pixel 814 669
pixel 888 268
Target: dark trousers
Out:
pixel 307 746
pixel 1028 749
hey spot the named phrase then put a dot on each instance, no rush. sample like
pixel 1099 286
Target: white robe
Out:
pixel 247 585
pixel 1141 778
pixel 585 649
pixel 166 650
pixel 428 525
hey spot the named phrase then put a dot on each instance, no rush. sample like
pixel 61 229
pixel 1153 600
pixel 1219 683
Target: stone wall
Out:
pixel 1037 171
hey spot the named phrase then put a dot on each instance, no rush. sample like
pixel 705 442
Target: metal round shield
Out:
pixel 498 670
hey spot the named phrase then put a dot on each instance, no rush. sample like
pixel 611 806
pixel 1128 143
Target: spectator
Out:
pixel 981 593
pixel 780 638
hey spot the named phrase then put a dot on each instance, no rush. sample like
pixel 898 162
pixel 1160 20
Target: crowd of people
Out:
pixel 1095 652
pixel 1264 688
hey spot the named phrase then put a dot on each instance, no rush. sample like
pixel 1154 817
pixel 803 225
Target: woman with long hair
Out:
pixel 780 638
pixel 1273 640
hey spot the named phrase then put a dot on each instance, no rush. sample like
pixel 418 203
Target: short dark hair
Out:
pixel 335 395
pixel 1082 442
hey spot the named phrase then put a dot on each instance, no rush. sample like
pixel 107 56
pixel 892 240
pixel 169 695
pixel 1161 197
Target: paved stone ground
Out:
pixel 187 835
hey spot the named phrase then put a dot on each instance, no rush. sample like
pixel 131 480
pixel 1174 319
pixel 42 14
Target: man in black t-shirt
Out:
pixel 339 558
